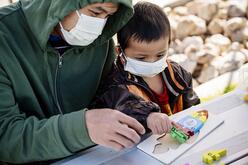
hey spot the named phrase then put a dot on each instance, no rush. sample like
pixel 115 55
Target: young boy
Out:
pixel 143 83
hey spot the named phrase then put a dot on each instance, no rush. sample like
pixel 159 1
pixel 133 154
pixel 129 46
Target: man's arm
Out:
pixel 29 139
pixel 24 139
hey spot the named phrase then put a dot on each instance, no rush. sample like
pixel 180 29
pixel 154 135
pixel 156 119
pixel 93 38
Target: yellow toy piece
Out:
pixel 246 97
pixel 201 115
pixel 212 156
pixel 207 159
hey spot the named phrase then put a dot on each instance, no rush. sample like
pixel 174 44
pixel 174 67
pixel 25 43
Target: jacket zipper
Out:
pixel 144 87
pixel 59 66
pixel 168 85
pixel 151 94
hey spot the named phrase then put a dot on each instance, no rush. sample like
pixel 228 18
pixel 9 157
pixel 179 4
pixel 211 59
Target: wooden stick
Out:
pixel 237 156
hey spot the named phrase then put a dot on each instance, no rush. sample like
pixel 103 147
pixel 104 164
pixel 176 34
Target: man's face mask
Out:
pixel 144 69
pixel 86 30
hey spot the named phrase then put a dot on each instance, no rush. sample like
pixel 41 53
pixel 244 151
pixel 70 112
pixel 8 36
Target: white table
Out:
pixel 232 135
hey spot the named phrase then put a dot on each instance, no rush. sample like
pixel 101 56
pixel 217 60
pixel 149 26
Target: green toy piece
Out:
pixel 178 135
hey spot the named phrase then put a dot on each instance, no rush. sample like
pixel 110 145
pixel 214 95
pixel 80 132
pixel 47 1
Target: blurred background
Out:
pixel 210 40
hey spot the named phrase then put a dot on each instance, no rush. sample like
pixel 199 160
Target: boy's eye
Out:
pixel 160 55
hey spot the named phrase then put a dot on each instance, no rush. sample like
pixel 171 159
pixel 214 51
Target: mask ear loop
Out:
pixel 122 55
pixel 78 13
pixel 61 27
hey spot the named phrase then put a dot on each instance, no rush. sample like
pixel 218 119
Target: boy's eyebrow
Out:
pixel 164 51
pixel 139 54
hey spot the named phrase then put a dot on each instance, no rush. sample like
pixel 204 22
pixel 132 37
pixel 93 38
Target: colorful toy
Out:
pixel 188 126
pixel 212 156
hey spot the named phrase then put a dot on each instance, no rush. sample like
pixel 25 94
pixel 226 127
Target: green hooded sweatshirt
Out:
pixel 44 96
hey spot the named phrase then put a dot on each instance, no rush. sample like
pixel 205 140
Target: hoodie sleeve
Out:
pixel 24 139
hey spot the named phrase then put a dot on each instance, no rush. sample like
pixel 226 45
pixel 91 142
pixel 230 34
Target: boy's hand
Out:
pixel 159 123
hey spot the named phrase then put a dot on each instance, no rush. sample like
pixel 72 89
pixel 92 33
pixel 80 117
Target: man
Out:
pixel 53 54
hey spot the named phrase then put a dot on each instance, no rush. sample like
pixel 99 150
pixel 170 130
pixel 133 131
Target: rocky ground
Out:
pixel 209 38
pixel 6 2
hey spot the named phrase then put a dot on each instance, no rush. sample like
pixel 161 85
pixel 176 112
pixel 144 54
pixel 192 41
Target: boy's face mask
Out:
pixel 86 30
pixel 144 69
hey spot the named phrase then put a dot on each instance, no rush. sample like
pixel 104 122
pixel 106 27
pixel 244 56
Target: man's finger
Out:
pixel 133 123
pixel 114 145
pixel 125 142
pixel 129 133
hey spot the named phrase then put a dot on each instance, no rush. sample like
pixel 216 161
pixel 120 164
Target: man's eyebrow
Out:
pixel 107 10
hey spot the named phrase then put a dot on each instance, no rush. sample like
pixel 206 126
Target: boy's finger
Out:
pixel 153 128
pixel 169 125
pixel 159 127
pixel 164 126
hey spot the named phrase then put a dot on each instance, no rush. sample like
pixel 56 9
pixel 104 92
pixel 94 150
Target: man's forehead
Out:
pixel 105 5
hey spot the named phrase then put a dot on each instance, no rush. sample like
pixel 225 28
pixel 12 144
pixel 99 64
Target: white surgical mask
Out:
pixel 86 30
pixel 145 69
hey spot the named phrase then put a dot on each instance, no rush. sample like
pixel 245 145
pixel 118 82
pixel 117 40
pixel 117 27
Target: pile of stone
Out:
pixel 209 38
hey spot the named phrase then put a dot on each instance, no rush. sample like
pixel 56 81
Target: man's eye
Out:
pixel 94 13
pixel 140 58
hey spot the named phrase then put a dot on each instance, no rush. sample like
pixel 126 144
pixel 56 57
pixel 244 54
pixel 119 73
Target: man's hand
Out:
pixel 158 123
pixel 111 128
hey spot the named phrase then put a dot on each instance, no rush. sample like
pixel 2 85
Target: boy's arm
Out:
pixel 119 98
pixel 190 98
pixel 184 78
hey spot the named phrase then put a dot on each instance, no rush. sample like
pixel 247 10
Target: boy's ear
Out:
pixel 117 50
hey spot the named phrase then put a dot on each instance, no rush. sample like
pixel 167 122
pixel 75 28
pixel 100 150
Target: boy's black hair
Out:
pixel 149 23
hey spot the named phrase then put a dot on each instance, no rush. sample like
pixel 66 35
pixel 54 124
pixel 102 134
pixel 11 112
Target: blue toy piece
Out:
pixel 191 123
